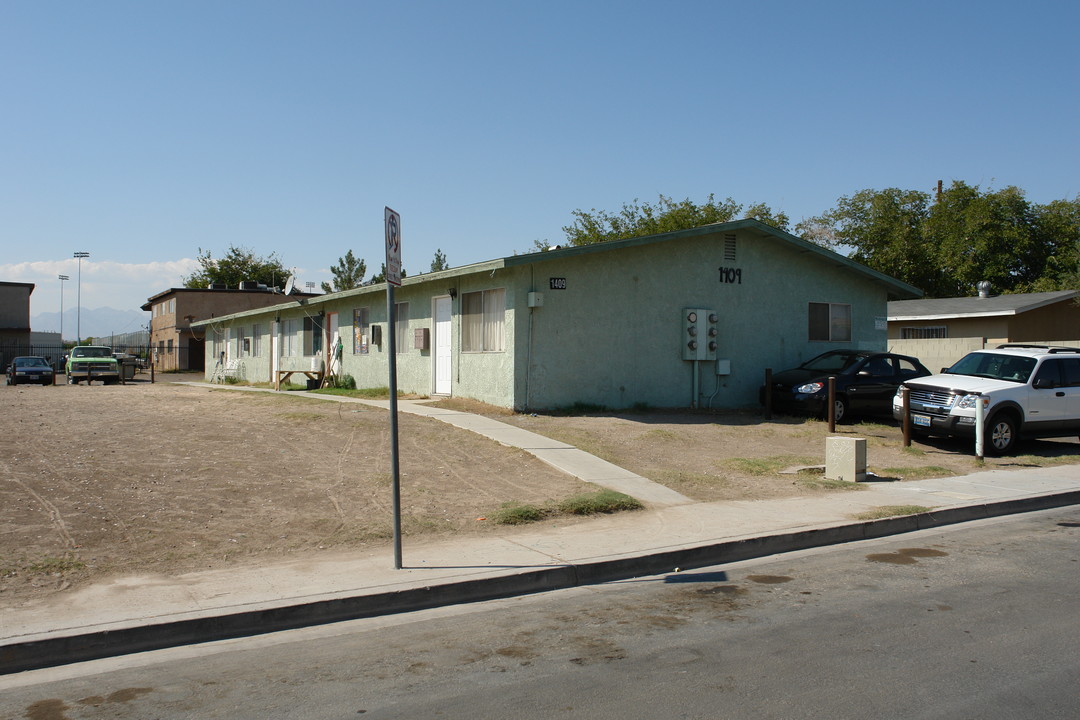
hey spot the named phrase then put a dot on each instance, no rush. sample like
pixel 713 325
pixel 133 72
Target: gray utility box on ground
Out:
pixel 845 459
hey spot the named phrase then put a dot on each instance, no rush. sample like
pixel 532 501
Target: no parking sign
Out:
pixel 393 247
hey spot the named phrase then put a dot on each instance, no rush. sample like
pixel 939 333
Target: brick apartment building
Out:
pixel 178 346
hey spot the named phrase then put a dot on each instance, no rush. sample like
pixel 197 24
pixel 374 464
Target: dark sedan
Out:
pixel 29 369
pixel 865 383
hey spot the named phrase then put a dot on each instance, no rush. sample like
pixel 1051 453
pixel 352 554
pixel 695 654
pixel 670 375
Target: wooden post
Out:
pixel 832 404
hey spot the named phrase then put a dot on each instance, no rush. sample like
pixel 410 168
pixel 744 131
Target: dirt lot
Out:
pixel 164 478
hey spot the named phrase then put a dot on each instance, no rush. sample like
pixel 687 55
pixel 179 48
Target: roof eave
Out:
pixel 950 316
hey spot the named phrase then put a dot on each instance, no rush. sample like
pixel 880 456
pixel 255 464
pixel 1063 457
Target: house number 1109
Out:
pixel 731 275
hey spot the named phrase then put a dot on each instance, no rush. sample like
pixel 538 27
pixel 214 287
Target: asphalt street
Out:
pixel 972 620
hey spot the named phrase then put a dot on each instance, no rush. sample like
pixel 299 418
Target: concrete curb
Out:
pixel 63 650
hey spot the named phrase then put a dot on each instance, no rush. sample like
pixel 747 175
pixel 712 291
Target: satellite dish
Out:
pixel 289 285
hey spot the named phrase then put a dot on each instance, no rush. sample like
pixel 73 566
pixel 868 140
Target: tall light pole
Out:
pixel 62 279
pixel 78 300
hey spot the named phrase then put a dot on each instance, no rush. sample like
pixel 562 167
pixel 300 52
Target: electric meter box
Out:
pixel 700 336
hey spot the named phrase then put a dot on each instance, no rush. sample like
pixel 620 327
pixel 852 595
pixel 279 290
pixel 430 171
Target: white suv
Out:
pixel 1027 391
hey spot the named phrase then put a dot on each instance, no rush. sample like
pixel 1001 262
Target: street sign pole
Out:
pixel 394 465
pixel 393 278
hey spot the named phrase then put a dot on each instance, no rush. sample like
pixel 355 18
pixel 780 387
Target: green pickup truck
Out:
pixel 92 362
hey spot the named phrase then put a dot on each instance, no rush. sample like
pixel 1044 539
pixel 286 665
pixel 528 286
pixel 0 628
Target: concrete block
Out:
pixel 845 458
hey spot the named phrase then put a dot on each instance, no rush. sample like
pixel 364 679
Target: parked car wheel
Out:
pixel 1001 435
pixel 841 408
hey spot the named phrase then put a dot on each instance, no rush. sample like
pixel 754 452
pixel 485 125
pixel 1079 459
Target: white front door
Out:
pixel 443 355
pixel 275 349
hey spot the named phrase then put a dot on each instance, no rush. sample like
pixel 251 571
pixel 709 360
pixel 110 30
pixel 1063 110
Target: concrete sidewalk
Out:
pixel 149 612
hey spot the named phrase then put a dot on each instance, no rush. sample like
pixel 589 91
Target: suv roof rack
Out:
pixel 1048 348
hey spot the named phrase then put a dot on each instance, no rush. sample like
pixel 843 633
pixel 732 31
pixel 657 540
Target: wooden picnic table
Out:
pixel 283 375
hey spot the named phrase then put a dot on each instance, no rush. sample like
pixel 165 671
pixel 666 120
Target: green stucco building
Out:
pixel 604 324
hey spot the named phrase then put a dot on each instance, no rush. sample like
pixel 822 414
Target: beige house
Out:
pixel 1023 317
pixel 174 343
pixel 940 331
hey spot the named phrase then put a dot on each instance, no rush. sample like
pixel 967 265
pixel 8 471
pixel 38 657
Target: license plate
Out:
pixel 921 420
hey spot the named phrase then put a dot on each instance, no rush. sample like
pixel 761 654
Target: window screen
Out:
pixel 830 322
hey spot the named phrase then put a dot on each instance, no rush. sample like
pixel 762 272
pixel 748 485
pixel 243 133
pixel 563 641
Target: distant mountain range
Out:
pixel 98 323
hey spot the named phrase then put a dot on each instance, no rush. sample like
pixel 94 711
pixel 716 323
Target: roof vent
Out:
pixel 218 286
pixel 984 288
pixel 249 285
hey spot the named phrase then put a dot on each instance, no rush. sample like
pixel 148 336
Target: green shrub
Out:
pixel 604 501
pixel 513 513
pixel 343 382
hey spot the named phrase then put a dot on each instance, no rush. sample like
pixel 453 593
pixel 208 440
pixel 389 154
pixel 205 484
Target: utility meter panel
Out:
pixel 699 335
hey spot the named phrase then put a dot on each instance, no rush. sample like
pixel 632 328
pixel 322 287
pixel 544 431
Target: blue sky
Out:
pixel 141 132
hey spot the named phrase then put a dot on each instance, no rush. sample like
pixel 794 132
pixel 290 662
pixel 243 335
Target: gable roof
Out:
pixel 896 288
pixel 974 306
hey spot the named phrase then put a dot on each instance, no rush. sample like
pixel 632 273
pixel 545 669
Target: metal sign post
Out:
pixel 393 278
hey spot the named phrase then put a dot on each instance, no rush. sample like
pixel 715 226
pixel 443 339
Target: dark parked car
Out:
pixel 865 383
pixel 29 369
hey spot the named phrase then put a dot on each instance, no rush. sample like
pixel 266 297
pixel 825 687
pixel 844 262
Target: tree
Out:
pixel 348 274
pixel 237 266
pixel 966 235
pixel 638 219
pixel 1060 220
pixel 439 263
pixel 882 229
pixel 763 213
pixel 985 236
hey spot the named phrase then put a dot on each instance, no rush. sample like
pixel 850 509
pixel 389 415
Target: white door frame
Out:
pixel 275 349
pixel 442 345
